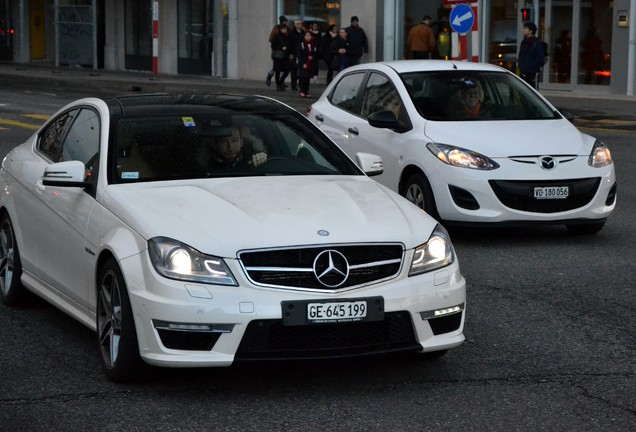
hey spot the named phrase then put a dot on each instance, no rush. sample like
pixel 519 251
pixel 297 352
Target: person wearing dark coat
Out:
pixel 282 56
pixel 325 50
pixel 307 57
pixel 341 51
pixel 357 41
pixel 281 20
pixel 317 35
pixel 530 59
pixel 297 34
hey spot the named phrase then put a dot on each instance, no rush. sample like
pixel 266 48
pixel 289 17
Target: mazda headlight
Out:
pixel 436 253
pixel 460 157
pixel 600 155
pixel 175 260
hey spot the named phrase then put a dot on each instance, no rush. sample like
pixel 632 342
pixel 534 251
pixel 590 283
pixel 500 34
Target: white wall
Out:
pixel 255 20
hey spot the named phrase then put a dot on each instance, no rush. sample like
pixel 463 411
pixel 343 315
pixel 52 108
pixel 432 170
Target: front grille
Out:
pixel 519 194
pixel 270 339
pixel 294 268
pixel 188 340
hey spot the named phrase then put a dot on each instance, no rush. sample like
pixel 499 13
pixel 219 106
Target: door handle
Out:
pixel 319 118
pixel 354 131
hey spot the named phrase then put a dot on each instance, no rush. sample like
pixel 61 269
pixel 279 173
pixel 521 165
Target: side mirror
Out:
pixel 69 173
pixel 384 120
pixel 371 164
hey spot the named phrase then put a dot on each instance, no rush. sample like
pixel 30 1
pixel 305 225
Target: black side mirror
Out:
pixel 385 120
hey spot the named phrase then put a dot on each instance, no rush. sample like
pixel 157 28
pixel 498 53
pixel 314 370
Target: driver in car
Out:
pixel 469 102
pixel 239 149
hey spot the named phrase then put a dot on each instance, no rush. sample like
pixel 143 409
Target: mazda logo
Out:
pixel 331 268
pixel 548 162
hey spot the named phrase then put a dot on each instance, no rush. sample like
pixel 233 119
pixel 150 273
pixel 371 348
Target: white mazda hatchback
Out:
pixel 470 143
pixel 200 230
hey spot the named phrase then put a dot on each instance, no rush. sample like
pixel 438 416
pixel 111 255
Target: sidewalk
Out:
pixel 117 82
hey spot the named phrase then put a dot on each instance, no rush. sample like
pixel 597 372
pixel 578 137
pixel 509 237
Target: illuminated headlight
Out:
pixel 176 260
pixel 436 253
pixel 600 155
pixel 459 157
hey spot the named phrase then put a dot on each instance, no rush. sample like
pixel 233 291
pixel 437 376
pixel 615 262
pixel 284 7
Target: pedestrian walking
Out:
pixel 317 36
pixel 297 34
pixel 531 55
pixel 281 20
pixel 421 39
pixel 357 41
pixel 281 55
pixel 307 57
pixel 341 51
pixel 325 50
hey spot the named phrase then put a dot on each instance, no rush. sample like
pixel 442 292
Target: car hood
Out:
pixel 223 216
pixel 507 138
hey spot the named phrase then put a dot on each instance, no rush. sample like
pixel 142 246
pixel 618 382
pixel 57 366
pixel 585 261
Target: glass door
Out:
pixel 579 37
pixel 195 36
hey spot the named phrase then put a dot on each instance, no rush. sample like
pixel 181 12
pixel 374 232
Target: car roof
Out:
pixel 158 103
pixel 405 66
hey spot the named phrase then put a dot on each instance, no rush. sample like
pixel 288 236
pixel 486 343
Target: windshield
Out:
pixel 216 142
pixel 474 95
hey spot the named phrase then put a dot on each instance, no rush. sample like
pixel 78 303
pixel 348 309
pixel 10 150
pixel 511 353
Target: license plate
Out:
pixel 336 312
pixel 311 312
pixel 551 192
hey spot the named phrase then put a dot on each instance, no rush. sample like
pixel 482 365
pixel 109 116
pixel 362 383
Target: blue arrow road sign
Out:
pixel 462 18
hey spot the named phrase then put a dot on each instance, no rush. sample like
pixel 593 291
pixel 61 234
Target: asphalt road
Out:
pixel 550 341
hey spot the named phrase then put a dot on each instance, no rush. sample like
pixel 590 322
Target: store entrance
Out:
pixel 579 34
pixel 195 36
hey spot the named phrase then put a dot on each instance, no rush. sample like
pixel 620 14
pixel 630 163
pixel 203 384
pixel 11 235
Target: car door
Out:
pixel 340 115
pixel 64 211
pixel 379 94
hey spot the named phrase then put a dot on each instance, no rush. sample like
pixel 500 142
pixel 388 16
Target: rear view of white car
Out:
pixel 470 143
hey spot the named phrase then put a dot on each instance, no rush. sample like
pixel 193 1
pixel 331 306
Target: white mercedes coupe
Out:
pixel 200 230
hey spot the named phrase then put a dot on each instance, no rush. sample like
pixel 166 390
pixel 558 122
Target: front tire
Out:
pixel 418 190
pixel 116 333
pixel 12 293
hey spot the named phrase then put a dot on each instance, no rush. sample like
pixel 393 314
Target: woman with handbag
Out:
pixel 281 56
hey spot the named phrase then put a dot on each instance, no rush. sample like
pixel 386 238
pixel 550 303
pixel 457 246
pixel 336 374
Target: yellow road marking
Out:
pixel 597 129
pixel 38 116
pixel 19 124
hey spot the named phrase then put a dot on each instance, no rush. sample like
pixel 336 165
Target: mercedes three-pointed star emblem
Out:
pixel 331 268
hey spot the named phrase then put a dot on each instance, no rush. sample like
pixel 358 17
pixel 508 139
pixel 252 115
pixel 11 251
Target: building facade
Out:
pixel 592 43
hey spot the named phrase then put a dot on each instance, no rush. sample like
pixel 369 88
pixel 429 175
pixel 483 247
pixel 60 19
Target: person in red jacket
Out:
pixel 307 56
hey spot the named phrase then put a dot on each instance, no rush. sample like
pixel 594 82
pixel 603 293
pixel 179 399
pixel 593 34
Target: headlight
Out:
pixel 600 155
pixel 175 260
pixel 459 157
pixel 436 253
